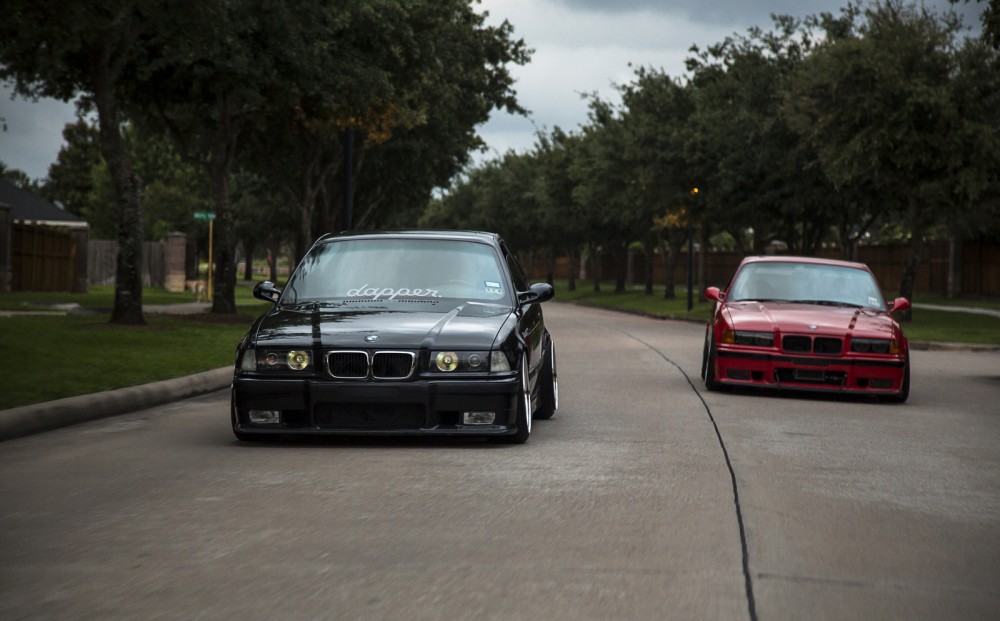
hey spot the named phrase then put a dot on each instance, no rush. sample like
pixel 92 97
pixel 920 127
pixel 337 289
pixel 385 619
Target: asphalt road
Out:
pixel 644 498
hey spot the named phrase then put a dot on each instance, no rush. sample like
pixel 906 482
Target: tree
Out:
pixel 659 111
pixel 62 50
pixel 875 102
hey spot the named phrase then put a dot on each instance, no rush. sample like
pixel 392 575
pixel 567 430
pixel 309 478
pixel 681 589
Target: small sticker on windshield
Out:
pixel 493 287
pixel 872 301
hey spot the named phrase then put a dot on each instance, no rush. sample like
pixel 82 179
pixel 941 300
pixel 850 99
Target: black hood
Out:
pixel 466 326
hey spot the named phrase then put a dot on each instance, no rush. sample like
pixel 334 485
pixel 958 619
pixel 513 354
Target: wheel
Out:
pixel 904 390
pixel 548 382
pixel 704 355
pixel 708 363
pixel 523 416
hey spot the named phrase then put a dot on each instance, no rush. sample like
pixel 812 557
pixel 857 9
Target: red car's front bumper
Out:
pixel 882 375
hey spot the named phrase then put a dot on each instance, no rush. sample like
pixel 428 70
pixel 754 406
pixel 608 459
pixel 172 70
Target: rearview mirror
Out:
pixel 714 294
pixel 538 293
pixel 266 291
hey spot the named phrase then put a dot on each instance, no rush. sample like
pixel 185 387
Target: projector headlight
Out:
pixel 759 339
pixel 276 360
pixel 459 362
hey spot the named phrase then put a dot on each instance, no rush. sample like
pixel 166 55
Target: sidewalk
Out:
pixel 960 309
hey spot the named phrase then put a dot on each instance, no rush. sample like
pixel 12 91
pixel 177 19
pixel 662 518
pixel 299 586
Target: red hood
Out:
pixel 810 319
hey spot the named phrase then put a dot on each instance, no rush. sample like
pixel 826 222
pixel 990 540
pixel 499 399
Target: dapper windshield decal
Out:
pixel 493 287
pixel 389 293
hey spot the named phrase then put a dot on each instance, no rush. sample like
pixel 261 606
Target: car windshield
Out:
pixel 398 270
pixel 811 283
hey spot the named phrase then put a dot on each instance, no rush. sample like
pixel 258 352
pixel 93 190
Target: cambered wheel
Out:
pixel 904 391
pixel 523 416
pixel 708 364
pixel 548 386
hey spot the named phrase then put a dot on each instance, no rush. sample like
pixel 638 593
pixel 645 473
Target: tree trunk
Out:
pixel 621 266
pixel 910 272
pixel 248 248
pixel 702 279
pixel 571 266
pixel 648 246
pixel 224 266
pixel 128 276
pixel 595 269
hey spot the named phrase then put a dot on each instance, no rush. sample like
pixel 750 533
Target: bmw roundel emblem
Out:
pixel 810 327
pixel 371 338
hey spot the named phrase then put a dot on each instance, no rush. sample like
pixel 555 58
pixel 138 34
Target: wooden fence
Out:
pixel 47 259
pixel 977 267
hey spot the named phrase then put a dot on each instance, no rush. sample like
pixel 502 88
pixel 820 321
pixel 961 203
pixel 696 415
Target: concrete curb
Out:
pixel 31 419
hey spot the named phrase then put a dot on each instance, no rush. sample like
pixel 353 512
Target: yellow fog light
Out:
pixel 298 360
pixel 447 361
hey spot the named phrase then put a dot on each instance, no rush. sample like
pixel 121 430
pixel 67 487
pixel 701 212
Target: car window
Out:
pixel 516 273
pixel 398 270
pixel 806 282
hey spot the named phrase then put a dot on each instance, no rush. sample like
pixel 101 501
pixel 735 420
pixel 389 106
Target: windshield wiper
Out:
pixel 827 303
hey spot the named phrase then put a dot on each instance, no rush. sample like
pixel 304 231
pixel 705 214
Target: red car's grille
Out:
pixel 821 345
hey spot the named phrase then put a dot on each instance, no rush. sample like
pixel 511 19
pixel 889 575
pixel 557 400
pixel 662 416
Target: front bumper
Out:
pixel 841 374
pixel 368 408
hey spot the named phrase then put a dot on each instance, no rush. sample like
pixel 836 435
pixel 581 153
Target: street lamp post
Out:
pixel 690 235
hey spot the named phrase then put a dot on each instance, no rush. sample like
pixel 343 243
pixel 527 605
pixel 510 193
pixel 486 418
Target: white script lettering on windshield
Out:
pixel 389 293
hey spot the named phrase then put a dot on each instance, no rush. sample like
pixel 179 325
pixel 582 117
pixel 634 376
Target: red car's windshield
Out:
pixel 812 283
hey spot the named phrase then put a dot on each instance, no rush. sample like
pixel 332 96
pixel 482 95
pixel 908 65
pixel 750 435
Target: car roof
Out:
pixel 812 260
pixel 480 236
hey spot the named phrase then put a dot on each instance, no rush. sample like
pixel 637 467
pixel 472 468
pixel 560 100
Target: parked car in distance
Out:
pixel 808 324
pixel 398 333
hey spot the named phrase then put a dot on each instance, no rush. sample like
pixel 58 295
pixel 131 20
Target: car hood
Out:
pixel 466 326
pixel 810 319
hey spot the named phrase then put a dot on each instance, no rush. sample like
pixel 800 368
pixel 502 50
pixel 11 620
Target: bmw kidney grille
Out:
pixel 381 365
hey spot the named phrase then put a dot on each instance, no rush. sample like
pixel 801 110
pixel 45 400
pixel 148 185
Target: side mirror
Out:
pixel 713 293
pixel 266 291
pixel 538 293
pixel 899 305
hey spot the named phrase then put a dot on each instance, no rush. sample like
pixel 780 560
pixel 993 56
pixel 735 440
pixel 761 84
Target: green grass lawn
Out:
pixel 84 353
pixel 103 297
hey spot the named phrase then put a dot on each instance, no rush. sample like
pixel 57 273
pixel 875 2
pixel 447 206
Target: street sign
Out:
pixel 204 215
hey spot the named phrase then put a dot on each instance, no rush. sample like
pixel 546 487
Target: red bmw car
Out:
pixel 808 324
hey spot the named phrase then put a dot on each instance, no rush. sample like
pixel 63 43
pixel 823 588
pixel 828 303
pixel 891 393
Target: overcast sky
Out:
pixel 581 46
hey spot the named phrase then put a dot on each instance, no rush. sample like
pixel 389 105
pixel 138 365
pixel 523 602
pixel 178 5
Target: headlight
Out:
pixel 249 361
pixel 875 346
pixel 459 362
pixel 276 360
pixel 499 362
pixel 298 360
pixel 758 339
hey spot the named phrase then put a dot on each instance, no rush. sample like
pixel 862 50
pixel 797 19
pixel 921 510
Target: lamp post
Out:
pixel 690 234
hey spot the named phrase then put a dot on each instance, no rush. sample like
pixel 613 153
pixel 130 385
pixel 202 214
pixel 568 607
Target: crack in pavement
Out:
pixel 747 577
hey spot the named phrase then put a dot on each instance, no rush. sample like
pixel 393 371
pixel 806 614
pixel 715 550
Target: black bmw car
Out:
pixel 398 333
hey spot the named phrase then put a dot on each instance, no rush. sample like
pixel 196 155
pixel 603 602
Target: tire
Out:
pixel 522 419
pixel 709 364
pixel 904 391
pixel 548 386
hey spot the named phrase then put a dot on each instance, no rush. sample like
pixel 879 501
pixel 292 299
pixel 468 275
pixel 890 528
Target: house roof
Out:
pixel 26 206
